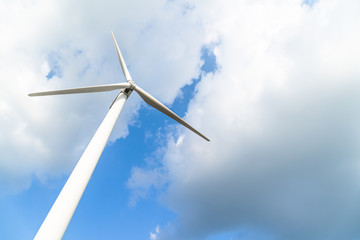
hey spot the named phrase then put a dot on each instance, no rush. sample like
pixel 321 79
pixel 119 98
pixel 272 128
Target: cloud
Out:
pixel 281 113
pixel 153 236
pixel 61 44
pixel 280 110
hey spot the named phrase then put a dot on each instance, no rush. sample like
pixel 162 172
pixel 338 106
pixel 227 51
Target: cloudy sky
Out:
pixel 275 85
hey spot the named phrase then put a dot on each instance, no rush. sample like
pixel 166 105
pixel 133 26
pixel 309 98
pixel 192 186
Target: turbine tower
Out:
pixel 60 214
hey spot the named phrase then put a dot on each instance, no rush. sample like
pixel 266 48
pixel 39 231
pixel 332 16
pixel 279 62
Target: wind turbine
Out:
pixel 60 214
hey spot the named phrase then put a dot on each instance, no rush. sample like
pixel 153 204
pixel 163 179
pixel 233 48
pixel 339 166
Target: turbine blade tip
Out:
pixel 204 137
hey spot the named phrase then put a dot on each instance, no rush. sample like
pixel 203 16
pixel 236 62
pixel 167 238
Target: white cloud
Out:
pixel 281 113
pixel 142 180
pixel 153 236
pixel 70 43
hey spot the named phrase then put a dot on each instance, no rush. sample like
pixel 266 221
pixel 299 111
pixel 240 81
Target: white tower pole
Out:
pixel 59 216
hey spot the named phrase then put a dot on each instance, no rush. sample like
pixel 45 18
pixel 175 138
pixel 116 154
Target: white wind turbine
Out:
pixel 59 216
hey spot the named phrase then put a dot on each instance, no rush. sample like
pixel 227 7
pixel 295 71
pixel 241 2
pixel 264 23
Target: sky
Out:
pixel 273 84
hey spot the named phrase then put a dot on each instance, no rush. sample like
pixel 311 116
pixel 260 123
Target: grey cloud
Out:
pixel 281 112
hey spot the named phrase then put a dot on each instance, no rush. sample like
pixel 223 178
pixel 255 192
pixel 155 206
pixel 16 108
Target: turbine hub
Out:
pixel 132 84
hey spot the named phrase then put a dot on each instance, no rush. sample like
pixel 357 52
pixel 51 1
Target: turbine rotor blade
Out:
pixel 121 60
pixel 162 108
pixel 99 88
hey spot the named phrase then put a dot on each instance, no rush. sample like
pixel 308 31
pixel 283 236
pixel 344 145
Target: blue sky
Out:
pixel 273 84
